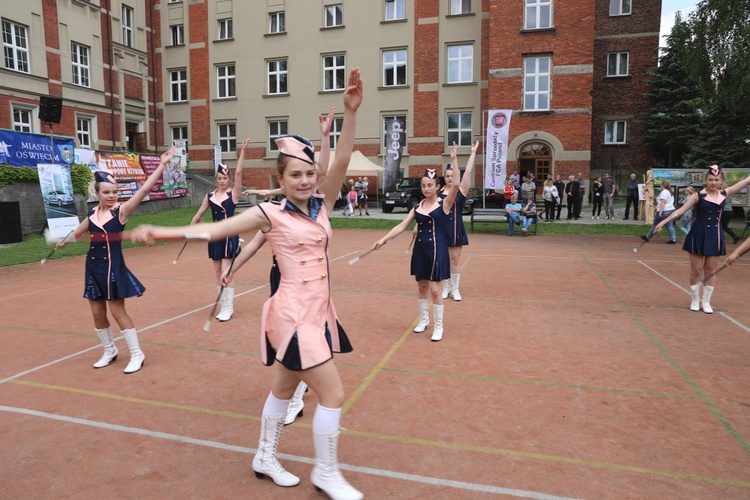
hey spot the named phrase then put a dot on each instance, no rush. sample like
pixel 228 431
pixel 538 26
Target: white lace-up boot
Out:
pixel 424 315
pixel 695 297
pixel 265 462
pixel 706 302
pixel 137 358
pixel 296 404
pixel 325 474
pixel 227 305
pixel 437 331
pixel 455 279
pixel 446 288
pixel 110 349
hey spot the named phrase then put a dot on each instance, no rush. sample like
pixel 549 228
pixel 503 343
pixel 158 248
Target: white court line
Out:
pixel 145 328
pixel 483 488
pixel 723 314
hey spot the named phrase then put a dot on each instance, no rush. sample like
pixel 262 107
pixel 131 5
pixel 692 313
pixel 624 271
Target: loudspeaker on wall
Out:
pixel 50 109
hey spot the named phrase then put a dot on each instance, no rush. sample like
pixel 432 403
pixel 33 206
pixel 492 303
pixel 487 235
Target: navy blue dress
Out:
pixel 430 259
pixel 222 249
pixel 107 277
pixel 706 236
pixel 456 230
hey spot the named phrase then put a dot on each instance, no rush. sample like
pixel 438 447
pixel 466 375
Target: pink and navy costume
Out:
pixel 706 236
pixel 299 326
pixel 107 277
pixel 226 248
pixel 430 259
pixel 456 236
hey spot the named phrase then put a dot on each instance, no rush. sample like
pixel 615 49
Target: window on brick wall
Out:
pixel 15 46
pixel 538 14
pixel 277 76
pixel 394 10
pixel 459 129
pixel 22 119
pixel 615 131
pixel 228 137
pixel 225 81
pixel 401 119
pixel 617 64
pixel 178 85
pixel 277 22
pixel 460 7
pixel 79 58
pixel 394 68
pixel 226 30
pixel 536 83
pixel 334 15
pixel 179 132
pixel 620 7
pixel 127 26
pixel 177 34
pixel 276 128
pixel 85 131
pixel 334 72
pixel 460 63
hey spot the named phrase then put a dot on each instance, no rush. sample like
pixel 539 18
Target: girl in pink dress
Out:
pixel 300 329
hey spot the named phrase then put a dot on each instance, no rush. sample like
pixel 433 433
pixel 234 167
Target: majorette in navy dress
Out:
pixel 222 249
pixel 456 236
pixel 706 236
pixel 430 259
pixel 107 277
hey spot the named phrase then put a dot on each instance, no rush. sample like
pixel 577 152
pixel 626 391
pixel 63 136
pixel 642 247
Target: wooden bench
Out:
pixel 498 215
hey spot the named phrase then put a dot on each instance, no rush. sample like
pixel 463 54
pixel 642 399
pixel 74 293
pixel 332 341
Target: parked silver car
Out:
pixel 59 198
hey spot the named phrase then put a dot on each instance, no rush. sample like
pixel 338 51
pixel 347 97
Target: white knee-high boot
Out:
pixel 265 462
pixel 446 288
pixel 437 332
pixel 424 315
pixel 296 404
pixel 325 474
pixel 137 358
pixel 110 349
pixel 227 305
pixel 706 302
pixel 695 297
pixel 455 279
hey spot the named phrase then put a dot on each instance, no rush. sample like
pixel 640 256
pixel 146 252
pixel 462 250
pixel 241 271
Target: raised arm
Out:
pixel 352 100
pixel 450 198
pixel 469 172
pixel 237 188
pixel 325 145
pixel 736 188
pixel 127 208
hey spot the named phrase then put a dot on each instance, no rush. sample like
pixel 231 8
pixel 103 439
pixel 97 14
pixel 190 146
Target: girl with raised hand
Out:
pixel 108 280
pixel 300 328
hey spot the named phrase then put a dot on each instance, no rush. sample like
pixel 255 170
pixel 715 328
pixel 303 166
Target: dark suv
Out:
pixel 407 193
pixel 492 199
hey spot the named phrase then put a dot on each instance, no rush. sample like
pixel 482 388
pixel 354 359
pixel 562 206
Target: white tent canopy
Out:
pixel 359 165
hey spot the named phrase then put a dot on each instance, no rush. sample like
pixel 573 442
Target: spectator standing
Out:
pixel 726 216
pixel 361 186
pixel 597 196
pixel 508 191
pixel 515 180
pixel 573 193
pixel 581 193
pixel 551 200
pixel 665 208
pixel 632 197
pixel 560 186
pixel 609 196
pixel 527 189
pixel 686 221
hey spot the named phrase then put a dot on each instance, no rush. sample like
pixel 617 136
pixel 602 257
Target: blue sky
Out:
pixel 668 10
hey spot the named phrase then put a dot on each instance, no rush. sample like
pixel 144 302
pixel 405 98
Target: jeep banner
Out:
pixel 57 193
pixel 394 146
pixel 496 148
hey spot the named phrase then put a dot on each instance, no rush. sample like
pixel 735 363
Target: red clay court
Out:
pixel 571 369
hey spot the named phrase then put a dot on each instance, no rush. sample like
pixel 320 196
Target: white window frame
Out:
pixel 225 81
pixel 227 135
pixel 127 25
pixel 79 60
pixel 457 62
pixel 394 10
pixel 618 59
pixel 394 63
pixel 86 131
pixel 23 119
pixel 179 132
pixel 620 7
pixel 16 46
pixel 334 72
pixel 335 132
pixel 452 133
pixel 276 128
pixel 333 15
pixel 178 85
pixel 225 30
pixel 402 119
pixel 177 34
pixel 613 129
pixel 277 76
pixel 539 78
pixel 277 22
pixel 533 14
pixel 459 7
